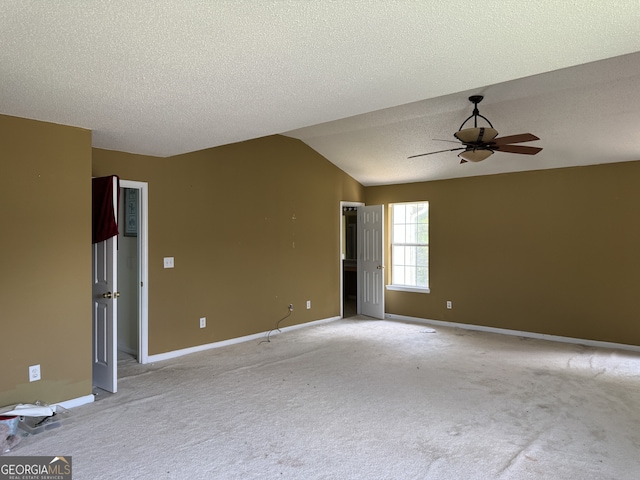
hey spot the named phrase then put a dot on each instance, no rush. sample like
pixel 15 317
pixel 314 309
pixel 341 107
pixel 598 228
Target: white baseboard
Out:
pixel 517 333
pixel 256 336
pixel 76 402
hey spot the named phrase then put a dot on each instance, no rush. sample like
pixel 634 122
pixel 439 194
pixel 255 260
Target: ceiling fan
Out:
pixel 479 143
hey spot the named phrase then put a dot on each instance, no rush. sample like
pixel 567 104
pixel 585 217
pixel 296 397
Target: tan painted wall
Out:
pixel 45 260
pixel 553 251
pixel 253 227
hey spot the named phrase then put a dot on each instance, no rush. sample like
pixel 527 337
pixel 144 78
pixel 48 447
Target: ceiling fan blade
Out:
pixel 439 151
pixel 516 149
pixel 523 137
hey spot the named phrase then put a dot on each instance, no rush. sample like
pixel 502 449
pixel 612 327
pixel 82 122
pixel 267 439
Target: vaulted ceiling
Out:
pixel 366 83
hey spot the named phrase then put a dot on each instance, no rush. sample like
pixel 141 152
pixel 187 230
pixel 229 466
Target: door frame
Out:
pixel 143 267
pixel 342 205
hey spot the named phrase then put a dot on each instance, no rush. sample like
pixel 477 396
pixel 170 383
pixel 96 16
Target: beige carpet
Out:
pixel 364 399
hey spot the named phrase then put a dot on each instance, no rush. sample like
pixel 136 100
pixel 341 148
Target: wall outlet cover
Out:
pixel 34 373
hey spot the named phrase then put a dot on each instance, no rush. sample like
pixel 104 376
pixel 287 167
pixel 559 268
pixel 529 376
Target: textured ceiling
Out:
pixel 168 77
pixel 583 115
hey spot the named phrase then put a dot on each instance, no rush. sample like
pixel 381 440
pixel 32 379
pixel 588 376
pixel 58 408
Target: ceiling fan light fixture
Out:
pixel 476 135
pixel 476 155
pixel 479 143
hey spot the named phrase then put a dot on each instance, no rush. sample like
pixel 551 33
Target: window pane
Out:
pixel 399 213
pixel 411 233
pixel 398 275
pixel 423 277
pixel 422 256
pixel 412 212
pixel 423 213
pixel 423 233
pixel 397 255
pixel 410 255
pixel 398 234
pixel 410 276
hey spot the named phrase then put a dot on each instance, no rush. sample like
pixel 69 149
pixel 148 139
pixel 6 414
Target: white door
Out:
pixel 104 282
pixel 371 264
pixel 105 354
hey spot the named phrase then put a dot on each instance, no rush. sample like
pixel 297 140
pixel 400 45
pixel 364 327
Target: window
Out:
pixel 410 247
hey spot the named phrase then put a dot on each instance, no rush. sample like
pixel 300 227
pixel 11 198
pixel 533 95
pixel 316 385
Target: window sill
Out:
pixel 406 288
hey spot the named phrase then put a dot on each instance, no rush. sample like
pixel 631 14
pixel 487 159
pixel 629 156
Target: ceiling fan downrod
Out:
pixel 475 99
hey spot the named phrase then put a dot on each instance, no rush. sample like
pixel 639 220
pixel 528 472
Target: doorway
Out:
pixel 120 288
pixel 349 259
pixel 128 314
pixel 361 260
pixel 133 274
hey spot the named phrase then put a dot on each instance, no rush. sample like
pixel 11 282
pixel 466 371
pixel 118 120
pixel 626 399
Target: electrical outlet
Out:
pixel 291 307
pixel 203 322
pixel 308 304
pixel 168 262
pixel 34 373
pixel 449 305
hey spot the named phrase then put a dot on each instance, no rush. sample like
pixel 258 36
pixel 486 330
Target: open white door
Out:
pixel 104 289
pixel 371 264
pixel 105 355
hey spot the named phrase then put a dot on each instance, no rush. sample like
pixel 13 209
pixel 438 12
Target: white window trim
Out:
pixel 407 288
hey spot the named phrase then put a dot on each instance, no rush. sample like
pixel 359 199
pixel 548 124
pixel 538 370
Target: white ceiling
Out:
pixel 364 82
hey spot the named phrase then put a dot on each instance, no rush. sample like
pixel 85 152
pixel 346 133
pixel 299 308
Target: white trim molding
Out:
pixel 406 288
pixel 76 402
pixel 256 336
pixel 517 333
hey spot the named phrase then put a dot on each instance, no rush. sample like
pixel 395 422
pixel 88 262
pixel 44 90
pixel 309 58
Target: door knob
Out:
pixel 106 295
pixel 380 267
pixel 116 294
